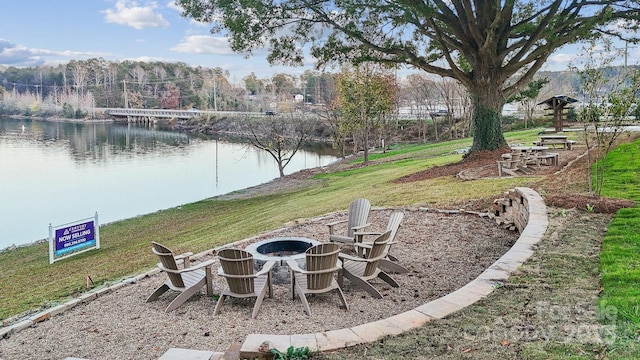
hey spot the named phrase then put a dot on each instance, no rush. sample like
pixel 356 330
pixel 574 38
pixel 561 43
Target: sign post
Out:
pixel 73 238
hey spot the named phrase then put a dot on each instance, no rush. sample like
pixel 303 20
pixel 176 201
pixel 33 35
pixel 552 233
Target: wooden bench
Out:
pixel 550 159
pixel 513 164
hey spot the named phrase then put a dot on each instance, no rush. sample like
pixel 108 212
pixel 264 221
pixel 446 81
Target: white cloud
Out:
pixel 12 54
pixel 634 55
pixel 150 59
pixel 562 58
pixel 20 55
pixel 129 13
pixel 171 4
pixel 199 24
pixel 560 61
pixel 204 44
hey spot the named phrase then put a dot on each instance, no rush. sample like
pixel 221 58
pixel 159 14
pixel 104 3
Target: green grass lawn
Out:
pixel 620 255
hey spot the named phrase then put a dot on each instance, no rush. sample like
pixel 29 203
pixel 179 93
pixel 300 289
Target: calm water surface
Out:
pixel 57 172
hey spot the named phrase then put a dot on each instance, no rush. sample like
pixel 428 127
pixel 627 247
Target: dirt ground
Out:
pixel 547 307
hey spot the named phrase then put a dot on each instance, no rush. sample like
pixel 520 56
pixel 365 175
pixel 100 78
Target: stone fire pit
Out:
pixel 280 250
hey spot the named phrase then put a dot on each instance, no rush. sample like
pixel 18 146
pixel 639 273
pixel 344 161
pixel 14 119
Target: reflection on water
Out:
pixel 57 172
pixel 96 141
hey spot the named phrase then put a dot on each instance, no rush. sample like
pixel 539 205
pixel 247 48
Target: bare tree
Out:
pixel 420 95
pixel 447 89
pixel 464 109
pixel 139 75
pixel 280 136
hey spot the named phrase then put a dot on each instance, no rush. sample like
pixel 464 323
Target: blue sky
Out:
pixel 38 32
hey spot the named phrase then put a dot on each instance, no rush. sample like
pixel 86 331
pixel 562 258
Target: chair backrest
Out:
pixel 168 261
pixel 322 262
pixel 358 214
pixel 378 251
pixel 237 266
pixel 394 224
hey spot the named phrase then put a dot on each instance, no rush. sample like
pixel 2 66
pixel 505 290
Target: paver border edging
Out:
pixel 536 220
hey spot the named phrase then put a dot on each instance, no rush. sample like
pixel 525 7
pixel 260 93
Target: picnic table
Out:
pixel 554 140
pixel 538 155
pixel 517 162
pixel 536 149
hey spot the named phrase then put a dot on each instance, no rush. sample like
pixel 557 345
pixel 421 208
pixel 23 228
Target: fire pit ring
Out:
pixel 280 250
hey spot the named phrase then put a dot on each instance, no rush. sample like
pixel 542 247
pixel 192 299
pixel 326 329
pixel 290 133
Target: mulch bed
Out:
pixel 570 169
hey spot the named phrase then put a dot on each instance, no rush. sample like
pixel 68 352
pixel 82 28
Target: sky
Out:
pixel 50 32
pixel 39 32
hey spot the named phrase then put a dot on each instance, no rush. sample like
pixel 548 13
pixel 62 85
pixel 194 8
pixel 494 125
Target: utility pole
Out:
pixel 215 101
pixel 38 93
pixel 77 97
pixel 126 100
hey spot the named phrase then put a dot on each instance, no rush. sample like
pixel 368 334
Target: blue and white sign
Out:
pixel 73 238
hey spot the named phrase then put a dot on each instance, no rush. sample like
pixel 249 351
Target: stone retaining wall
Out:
pixel 512 211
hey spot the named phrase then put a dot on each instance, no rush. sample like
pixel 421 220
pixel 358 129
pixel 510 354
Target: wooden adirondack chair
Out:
pixel 187 281
pixel 321 266
pixel 361 270
pixel 356 220
pixel 390 262
pixel 242 281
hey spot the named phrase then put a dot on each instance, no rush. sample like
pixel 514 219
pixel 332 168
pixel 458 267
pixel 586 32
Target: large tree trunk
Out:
pixel 488 101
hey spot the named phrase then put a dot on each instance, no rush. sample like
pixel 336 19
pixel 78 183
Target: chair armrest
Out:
pixel 342 256
pixel 183 259
pixel 360 227
pixel 364 245
pixel 185 255
pixel 266 268
pixel 365 233
pixel 204 264
pixel 294 267
pixel 332 224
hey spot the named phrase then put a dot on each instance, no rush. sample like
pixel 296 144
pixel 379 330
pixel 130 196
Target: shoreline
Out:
pixel 296 180
pixel 55 119
pixel 14 240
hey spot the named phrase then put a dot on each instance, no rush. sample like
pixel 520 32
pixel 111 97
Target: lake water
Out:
pixel 60 172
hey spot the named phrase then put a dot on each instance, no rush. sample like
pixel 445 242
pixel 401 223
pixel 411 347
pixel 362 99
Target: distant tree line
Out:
pixel 76 88
pixel 97 83
pixel 438 108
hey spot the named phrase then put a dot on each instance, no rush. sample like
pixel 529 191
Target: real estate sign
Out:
pixel 73 238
